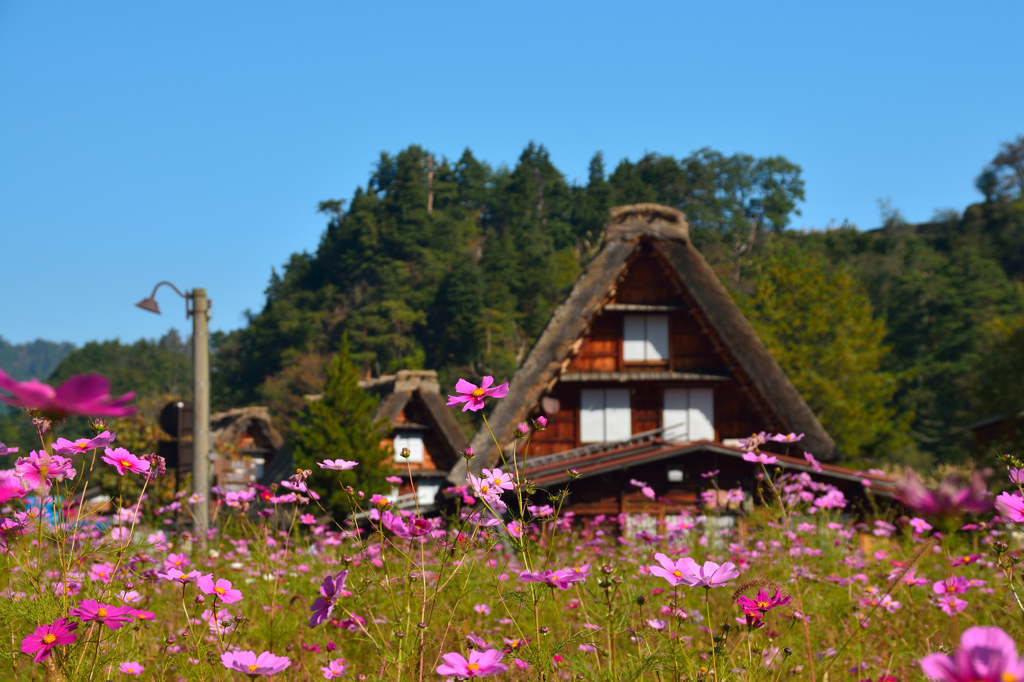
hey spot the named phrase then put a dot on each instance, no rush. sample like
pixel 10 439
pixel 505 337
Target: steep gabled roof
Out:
pixel 667 232
pixel 396 390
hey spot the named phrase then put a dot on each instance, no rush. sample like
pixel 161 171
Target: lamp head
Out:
pixel 149 304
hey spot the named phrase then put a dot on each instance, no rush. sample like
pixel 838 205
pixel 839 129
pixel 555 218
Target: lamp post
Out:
pixel 200 394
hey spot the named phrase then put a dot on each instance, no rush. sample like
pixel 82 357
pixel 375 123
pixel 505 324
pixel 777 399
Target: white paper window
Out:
pixel 427 492
pixel 688 414
pixel 645 338
pixel 605 415
pixel 413 441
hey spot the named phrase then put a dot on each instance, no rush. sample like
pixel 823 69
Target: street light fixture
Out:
pixel 200 314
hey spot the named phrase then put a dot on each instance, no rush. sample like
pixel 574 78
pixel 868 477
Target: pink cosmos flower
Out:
pixel 87 394
pixel 474 396
pixel 675 572
pixel 514 528
pixel 815 464
pixel 335 668
pixel 124 461
pixel 180 576
pixel 954 585
pixel 480 663
pixel 221 589
pixel 986 654
pixel 46 637
pixel 114 617
pixel 178 561
pixel 787 437
pixel 337 464
pixel 249 663
pixel 4 450
pixel 760 458
pixel 38 469
pixel 951 604
pixel 64 446
pixel 713 575
pixel 394 479
pixel 1011 507
pixel 131 668
pixel 498 479
pixel 920 526
pixel 1017 476
pixel 331 588
pixel 710 474
pixel 951 498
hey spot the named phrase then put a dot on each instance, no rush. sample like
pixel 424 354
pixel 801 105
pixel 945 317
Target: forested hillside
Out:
pixel 896 336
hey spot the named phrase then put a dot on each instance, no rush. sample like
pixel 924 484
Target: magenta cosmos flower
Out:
pixel 415 527
pixel 125 461
pixel 221 589
pixel 675 572
pixel 330 589
pixel 474 396
pixel 37 470
pixel 87 394
pixel 986 654
pixel 42 641
pixel 951 498
pixel 252 665
pixel 762 602
pixel 114 617
pixel 4 450
pixel 480 664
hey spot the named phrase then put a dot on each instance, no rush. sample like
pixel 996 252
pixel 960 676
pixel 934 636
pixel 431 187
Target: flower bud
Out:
pixel 199 599
pixel 544 630
pixel 405 453
pixel 573 473
pixel 522 431
pixel 331 646
pixel 468 453
pixel 540 423
pixel 641 600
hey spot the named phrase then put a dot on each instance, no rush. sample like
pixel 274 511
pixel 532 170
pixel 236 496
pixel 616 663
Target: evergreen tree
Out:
pixel 816 320
pixel 340 426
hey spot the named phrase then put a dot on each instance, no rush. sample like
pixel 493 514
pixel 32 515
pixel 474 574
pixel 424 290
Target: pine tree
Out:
pixel 816 320
pixel 340 426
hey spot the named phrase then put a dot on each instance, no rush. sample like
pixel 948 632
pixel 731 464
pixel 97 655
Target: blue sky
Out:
pixel 191 141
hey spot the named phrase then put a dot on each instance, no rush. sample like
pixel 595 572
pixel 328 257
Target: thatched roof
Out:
pixel 396 390
pixel 226 427
pixel 666 230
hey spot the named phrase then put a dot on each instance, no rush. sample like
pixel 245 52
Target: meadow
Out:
pixel 804 586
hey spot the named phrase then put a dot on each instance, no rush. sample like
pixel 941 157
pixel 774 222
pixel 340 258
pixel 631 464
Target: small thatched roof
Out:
pixel 666 230
pixel 396 390
pixel 227 427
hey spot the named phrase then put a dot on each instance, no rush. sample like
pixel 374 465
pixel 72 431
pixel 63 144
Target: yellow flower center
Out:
pixel 219 590
pixel 476 394
pixel 473 666
pixel 763 604
pixel 102 613
pixel 82 446
pixel 43 469
pixel 252 667
pixel 484 488
pixel 49 638
pixel 678 574
pixel 1007 677
pixel 125 463
pixel 577 570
